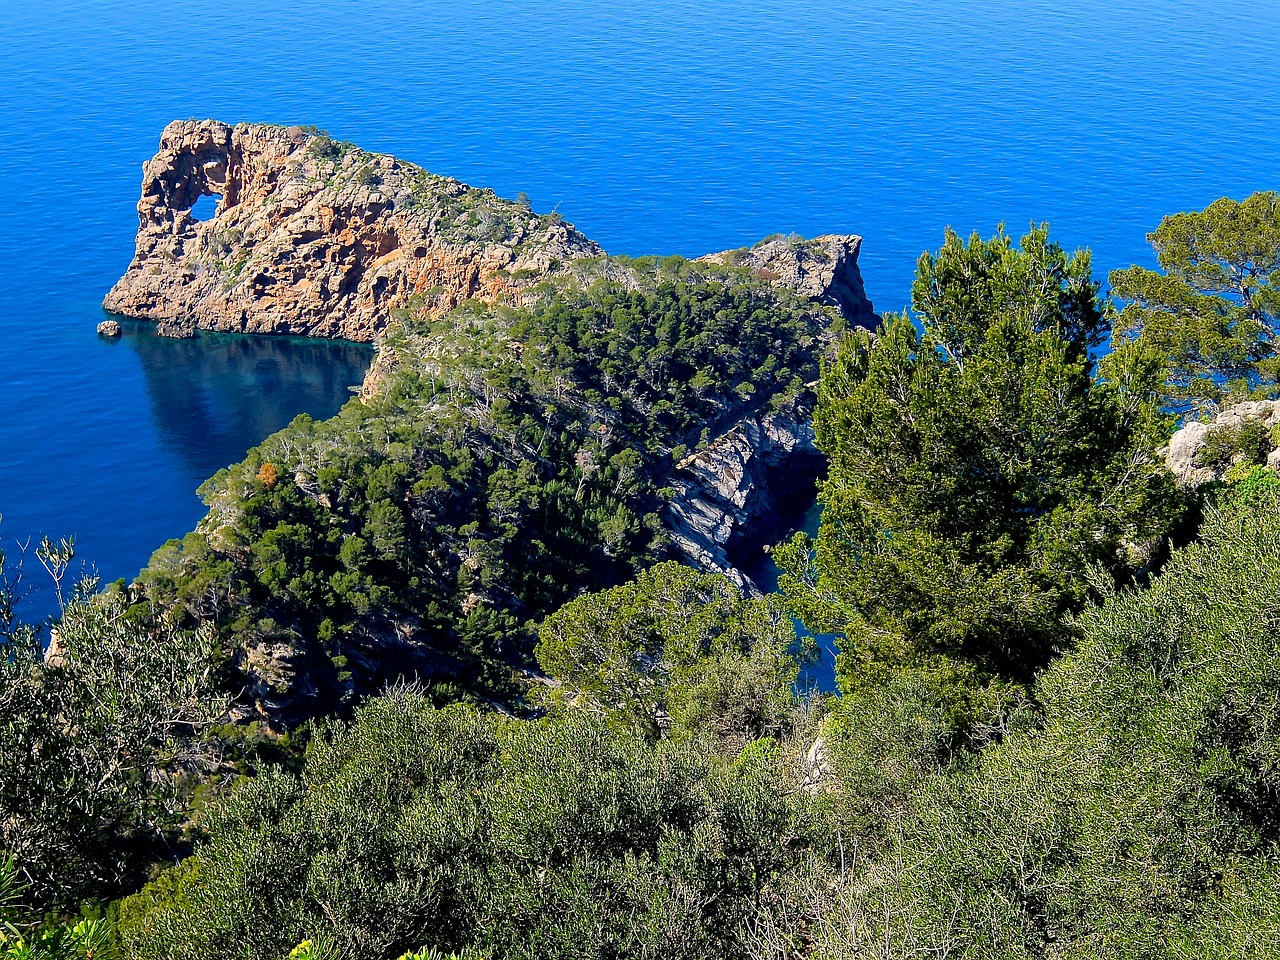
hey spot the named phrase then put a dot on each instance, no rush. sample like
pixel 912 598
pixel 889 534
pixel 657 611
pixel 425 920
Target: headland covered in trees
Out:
pixel 471 669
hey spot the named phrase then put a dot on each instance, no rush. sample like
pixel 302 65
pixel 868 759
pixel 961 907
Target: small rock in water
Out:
pixel 109 328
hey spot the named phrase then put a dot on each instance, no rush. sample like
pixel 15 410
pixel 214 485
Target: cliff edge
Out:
pixel 824 269
pixel 316 237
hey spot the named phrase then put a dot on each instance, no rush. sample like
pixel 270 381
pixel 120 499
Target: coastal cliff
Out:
pixel 540 419
pixel 320 238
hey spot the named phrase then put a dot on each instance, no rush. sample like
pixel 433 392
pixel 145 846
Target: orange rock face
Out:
pixel 320 238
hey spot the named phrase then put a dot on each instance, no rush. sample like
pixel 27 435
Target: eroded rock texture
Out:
pixel 726 502
pixel 1202 452
pixel 320 238
pixel 824 269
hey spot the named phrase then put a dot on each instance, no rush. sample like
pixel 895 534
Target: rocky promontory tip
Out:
pixel 316 237
pixel 824 269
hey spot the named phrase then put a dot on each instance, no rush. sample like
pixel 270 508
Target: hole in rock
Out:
pixel 206 207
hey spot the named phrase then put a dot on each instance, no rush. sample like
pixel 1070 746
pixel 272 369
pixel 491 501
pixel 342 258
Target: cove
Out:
pixel 820 675
pixel 156 419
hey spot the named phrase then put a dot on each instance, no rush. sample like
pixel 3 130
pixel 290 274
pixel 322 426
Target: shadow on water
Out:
pixel 216 395
pixel 800 516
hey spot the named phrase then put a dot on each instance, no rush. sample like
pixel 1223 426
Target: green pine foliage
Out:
pixel 1141 818
pixel 676 652
pixel 983 480
pixel 511 459
pixel 1212 311
pixel 22 939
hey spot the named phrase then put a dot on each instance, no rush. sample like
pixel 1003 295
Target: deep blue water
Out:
pixel 668 126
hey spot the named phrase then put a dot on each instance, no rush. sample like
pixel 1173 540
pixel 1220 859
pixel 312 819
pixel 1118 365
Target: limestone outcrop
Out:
pixel 726 495
pixel 817 773
pixel 1204 451
pixel 315 237
pixel 824 269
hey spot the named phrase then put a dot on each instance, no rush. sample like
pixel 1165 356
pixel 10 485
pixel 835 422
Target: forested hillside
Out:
pixel 1059 668
pixel 504 461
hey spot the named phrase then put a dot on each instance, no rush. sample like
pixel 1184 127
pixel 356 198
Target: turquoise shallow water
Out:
pixel 671 126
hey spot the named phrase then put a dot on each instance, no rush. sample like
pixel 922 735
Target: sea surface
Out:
pixel 662 127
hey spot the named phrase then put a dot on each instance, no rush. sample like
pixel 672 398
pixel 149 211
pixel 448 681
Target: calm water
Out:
pixel 666 126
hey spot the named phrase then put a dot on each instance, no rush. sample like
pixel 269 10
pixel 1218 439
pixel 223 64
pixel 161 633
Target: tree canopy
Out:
pixel 1212 315
pixel 982 479
pixel 676 647
pixel 1057 735
pixel 102 743
pixel 558 838
pixel 1139 819
pixel 509 460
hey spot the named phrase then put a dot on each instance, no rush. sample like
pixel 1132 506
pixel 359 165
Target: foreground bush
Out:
pixel 451 828
pixel 1142 821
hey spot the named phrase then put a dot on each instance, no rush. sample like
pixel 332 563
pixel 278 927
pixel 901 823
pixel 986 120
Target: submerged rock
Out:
pixel 176 328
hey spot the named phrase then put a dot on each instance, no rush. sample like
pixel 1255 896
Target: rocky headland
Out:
pixel 824 269
pixel 320 238
pixel 454 285
pixel 316 237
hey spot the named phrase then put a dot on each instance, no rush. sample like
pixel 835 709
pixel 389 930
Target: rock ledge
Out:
pixel 1186 453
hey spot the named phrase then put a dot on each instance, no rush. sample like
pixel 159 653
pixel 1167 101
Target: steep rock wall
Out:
pixel 319 238
pixel 726 495
pixel 824 269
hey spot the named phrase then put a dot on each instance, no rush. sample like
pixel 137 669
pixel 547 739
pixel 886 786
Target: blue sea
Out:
pixel 661 127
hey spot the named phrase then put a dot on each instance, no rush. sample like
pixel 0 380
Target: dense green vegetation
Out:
pixel 984 481
pixel 556 838
pixel 676 653
pixel 1056 735
pixel 1139 818
pixel 103 740
pixel 512 459
pixel 1213 315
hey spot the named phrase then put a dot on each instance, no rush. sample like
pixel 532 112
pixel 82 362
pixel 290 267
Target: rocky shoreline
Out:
pixel 319 238
pixel 323 239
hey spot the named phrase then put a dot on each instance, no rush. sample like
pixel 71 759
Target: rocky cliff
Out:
pixel 824 269
pixel 315 237
pixel 727 494
pixel 1243 435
